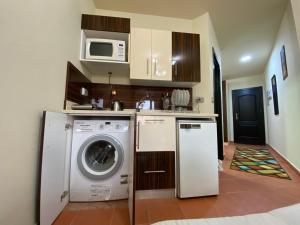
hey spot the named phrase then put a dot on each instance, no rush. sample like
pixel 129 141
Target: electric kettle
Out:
pixel 117 106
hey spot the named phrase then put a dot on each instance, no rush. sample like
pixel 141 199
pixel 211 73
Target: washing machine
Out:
pixel 99 160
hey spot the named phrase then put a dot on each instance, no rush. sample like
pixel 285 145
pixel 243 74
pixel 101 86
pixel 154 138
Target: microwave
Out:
pixel 105 49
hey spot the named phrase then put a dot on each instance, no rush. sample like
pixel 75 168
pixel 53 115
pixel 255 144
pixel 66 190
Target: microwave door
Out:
pixel 101 50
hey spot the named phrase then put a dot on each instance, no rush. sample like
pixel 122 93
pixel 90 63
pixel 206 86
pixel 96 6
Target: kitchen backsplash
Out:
pixel 129 94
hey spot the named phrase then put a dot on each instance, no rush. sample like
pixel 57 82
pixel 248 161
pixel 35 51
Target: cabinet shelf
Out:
pixel 105 66
pixel 102 61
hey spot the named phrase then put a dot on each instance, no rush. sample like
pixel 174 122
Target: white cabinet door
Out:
pixel 161 55
pixel 53 190
pixel 156 133
pixel 140 54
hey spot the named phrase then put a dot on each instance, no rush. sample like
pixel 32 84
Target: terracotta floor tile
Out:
pixel 141 214
pixel 121 217
pixel 197 208
pixel 65 218
pixel 166 209
pixel 224 205
pixel 94 217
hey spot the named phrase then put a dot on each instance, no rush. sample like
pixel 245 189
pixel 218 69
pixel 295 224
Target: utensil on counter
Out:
pixel 117 105
pixel 166 101
pixel 82 107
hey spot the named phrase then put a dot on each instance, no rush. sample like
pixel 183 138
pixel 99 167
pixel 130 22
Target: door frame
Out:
pixel 261 88
pixel 217 82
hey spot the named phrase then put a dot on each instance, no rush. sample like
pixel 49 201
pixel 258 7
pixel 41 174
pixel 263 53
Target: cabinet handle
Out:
pixel 138 135
pixel 154 120
pixel 147 66
pixel 176 69
pixel 236 116
pixel 154 171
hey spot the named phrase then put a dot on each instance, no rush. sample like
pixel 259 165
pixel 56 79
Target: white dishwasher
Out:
pixel 197 158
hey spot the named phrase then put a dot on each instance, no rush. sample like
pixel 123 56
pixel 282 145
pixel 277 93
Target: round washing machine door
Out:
pixel 100 157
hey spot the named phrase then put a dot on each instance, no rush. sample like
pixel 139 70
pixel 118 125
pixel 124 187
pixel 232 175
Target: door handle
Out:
pixel 236 116
pixel 138 135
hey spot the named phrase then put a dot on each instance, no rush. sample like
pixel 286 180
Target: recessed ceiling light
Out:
pixel 245 58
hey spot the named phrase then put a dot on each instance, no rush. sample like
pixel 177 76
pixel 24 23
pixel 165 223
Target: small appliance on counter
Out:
pixel 97 104
pixel 82 107
pixel 146 104
pixel 117 106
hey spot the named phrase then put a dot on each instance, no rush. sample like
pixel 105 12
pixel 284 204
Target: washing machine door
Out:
pixel 100 157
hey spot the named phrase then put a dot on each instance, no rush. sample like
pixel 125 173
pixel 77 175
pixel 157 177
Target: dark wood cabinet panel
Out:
pixel 186 57
pixel 105 23
pixel 75 80
pixel 155 170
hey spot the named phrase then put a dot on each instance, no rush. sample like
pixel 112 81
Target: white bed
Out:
pixel 284 216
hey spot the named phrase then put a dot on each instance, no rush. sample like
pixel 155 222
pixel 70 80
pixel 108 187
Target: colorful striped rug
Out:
pixel 257 161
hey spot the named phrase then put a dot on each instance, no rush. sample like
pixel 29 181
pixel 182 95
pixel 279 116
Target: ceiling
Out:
pixel 243 27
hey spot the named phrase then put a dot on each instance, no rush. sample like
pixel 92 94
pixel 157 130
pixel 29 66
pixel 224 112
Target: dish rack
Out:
pixel 180 99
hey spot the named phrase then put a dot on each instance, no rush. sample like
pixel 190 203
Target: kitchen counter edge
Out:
pixel 132 112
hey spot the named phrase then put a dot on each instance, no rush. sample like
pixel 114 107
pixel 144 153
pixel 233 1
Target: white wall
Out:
pixel 208 40
pixel 284 129
pixel 37 40
pixel 241 83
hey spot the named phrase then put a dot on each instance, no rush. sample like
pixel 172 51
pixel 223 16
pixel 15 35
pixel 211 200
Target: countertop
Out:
pixel 125 112
pixel 132 112
pixel 177 114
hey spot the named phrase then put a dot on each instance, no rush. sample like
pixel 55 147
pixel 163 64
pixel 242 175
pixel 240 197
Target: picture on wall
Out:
pixel 283 63
pixel 275 95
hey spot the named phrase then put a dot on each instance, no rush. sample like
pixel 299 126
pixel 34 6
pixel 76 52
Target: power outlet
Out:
pixel 199 99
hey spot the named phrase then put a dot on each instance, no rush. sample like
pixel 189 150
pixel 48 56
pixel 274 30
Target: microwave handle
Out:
pixel 87 49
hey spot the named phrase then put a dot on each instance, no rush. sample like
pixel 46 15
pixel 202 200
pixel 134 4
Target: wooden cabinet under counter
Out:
pixel 155 170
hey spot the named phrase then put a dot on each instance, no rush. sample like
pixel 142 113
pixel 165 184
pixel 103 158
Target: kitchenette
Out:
pixel 144 139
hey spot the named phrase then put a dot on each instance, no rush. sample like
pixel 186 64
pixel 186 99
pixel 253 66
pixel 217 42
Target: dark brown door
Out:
pixel 186 57
pixel 248 116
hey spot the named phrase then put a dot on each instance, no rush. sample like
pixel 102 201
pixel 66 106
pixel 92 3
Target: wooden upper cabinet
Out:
pixel 105 23
pixel 186 57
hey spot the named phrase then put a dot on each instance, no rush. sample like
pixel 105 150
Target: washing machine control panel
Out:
pixel 101 125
